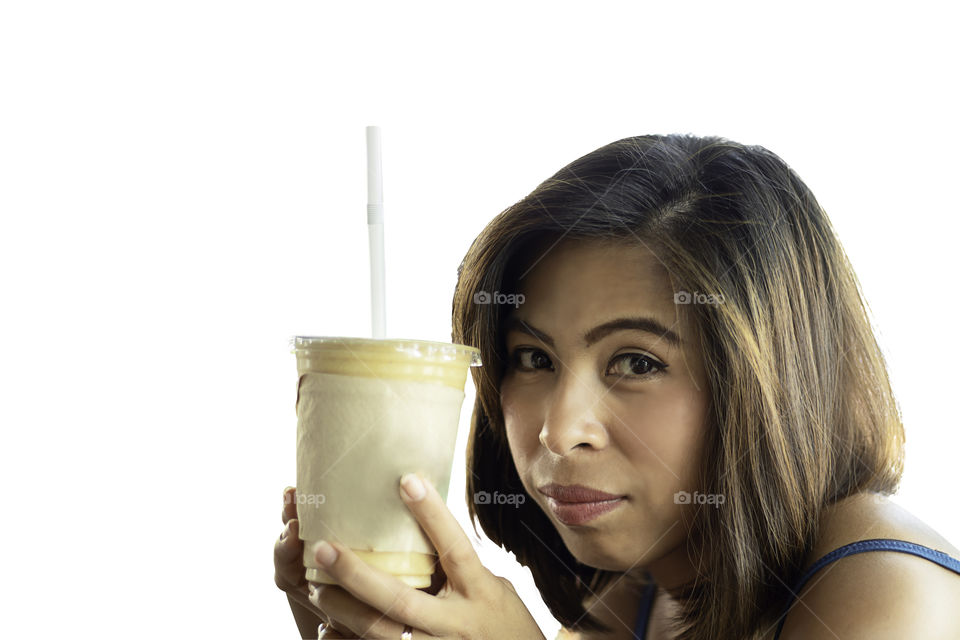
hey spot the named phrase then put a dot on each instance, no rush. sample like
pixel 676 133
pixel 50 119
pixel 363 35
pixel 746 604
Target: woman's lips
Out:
pixel 574 513
pixel 576 493
pixel 576 504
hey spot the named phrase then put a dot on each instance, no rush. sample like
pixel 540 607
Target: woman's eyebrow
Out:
pixel 641 323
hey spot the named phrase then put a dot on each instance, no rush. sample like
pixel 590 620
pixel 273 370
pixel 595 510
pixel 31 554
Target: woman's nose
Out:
pixel 572 416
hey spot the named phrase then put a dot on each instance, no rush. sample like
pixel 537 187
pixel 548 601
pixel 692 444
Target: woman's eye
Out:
pixel 627 365
pixel 635 365
pixel 530 359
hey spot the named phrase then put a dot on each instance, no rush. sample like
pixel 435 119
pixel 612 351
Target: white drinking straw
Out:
pixel 378 312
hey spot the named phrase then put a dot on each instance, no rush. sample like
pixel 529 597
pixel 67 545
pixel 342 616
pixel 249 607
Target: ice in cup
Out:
pixel 369 411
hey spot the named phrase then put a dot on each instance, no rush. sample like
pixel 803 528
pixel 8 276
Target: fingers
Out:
pixel 289 504
pixel 333 629
pixel 289 572
pixel 457 556
pixel 371 591
pixel 334 632
pixel 363 620
pixel 289 546
pixel 301 595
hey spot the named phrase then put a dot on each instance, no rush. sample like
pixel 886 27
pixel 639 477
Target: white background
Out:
pixel 182 188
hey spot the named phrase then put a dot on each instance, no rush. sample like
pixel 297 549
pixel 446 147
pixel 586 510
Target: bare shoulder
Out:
pixel 865 516
pixel 876 594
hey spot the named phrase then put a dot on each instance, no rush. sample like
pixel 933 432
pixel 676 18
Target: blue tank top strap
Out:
pixel 643 616
pixel 863 546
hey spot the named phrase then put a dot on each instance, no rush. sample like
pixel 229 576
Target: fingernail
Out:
pixel 316 590
pixel 286 498
pixel 324 553
pixel 412 487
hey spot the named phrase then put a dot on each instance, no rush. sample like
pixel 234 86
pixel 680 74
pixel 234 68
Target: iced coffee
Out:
pixel 369 411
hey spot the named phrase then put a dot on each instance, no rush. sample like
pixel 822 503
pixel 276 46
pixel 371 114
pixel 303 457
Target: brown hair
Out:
pixel 801 409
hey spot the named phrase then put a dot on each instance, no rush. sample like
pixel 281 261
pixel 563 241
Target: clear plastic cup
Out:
pixel 369 411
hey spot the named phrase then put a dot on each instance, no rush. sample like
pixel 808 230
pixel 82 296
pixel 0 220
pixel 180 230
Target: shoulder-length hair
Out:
pixel 801 410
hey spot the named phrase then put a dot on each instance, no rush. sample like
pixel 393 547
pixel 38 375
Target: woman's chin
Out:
pixel 592 556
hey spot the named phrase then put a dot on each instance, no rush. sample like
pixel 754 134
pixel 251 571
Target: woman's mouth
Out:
pixel 576 504
pixel 574 513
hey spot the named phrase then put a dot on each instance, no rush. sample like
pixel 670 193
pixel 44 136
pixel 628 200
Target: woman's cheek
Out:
pixel 522 433
pixel 667 434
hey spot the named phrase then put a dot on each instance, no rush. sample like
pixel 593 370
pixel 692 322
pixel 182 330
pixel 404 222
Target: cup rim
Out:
pixel 409 346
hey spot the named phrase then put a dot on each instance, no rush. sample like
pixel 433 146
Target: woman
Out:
pixel 687 391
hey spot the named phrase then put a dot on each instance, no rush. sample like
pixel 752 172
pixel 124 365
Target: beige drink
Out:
pixel 369 411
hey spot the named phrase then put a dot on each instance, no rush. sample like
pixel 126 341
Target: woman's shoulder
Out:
pixel 866 515
pixel 875 594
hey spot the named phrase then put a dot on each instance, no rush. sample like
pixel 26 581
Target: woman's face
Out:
pixel 606 389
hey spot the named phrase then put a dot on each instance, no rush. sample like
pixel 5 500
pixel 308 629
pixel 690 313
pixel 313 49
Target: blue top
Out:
pixel 863 546
pixel 643 617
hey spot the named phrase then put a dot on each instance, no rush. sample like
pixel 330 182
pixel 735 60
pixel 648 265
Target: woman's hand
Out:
pixel 473 603
pixel 290 574
pixel 288 570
